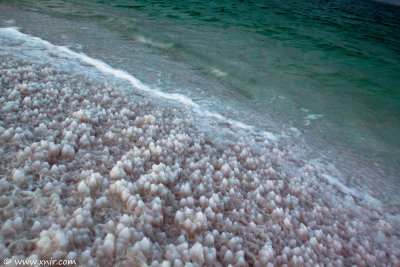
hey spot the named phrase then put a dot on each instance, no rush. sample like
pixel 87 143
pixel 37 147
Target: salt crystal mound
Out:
pixel 107 176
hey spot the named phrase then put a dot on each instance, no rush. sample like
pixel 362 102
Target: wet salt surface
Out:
pixel 95 170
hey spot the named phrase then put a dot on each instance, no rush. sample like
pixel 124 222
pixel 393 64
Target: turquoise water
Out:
pixel 329 68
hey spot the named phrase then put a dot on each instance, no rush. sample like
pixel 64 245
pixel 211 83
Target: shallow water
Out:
pixel 329 69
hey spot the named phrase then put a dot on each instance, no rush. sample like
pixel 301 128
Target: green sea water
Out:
pixel 329 68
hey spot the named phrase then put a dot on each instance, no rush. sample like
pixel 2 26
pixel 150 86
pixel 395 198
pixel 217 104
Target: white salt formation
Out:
pixel 96 172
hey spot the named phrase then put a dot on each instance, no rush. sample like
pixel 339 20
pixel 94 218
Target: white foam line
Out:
pixel 352 191
pixel 333 180
pixel 105 68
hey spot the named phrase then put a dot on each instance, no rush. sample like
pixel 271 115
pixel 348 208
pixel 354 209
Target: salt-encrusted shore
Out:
pixel 95 170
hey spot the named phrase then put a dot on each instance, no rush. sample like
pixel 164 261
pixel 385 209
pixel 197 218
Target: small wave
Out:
pixel 218 73
pixel 313 116
pixel 10 22
pixel 310 117
pixel 147 41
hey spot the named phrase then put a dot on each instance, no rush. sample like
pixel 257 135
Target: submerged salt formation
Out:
pixel 93 172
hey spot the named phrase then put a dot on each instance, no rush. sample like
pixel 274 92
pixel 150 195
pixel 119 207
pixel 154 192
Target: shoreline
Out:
pixel 370 172
pixel 129 177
